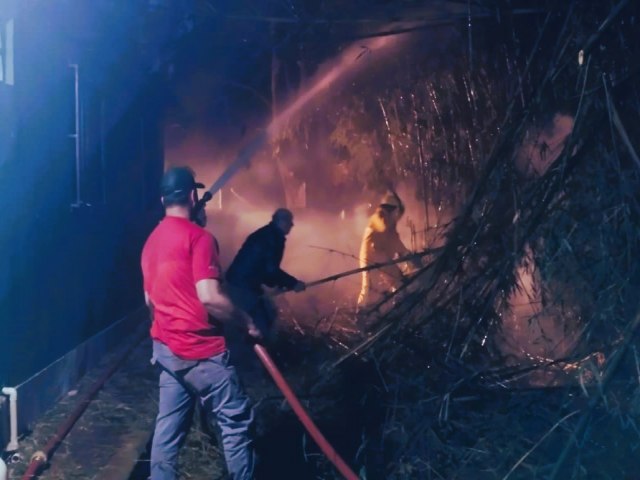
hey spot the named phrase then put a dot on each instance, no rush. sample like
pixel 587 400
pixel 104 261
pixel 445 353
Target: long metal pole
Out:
pixel 374 266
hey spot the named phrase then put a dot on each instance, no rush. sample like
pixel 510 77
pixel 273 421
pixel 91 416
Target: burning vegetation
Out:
pixel 535 285
pixel 509 351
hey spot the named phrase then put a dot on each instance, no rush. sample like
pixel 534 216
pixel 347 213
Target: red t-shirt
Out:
pixel 177 254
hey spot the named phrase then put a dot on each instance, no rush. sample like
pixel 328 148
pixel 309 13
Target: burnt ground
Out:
pixel 416 420
pixel 284 449
pixel 111 439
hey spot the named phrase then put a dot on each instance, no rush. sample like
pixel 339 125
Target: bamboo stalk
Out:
pixel 610 369
pixel 539 442
pixel 623 133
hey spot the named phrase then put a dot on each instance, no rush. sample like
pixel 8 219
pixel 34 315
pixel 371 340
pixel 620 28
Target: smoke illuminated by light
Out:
pixel 543 146
pixel 348 62
pixel 532 330
pixel 321 243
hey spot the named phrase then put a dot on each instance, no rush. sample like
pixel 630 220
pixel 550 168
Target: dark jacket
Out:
pixel 258 261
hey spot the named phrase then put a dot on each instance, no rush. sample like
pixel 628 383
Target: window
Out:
pixel 6 52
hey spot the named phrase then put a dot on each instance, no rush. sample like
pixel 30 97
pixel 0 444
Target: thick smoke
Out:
pixel 323 242
pixel 328 229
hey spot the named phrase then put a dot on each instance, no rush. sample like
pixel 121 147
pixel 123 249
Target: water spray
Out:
pixel 242 160
pixel 352 58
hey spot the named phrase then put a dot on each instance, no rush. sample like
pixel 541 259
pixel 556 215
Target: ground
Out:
pixel 422 419
pixel 110 440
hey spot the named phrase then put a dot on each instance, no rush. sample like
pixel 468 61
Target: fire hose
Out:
pixel 302 415
pixel 243 159
pixel 40 458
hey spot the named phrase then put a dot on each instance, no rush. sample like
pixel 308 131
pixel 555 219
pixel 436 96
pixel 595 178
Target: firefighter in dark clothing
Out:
pixel 257 264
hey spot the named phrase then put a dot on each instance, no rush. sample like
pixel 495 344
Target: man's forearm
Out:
pixel 224 310
pixel 217 302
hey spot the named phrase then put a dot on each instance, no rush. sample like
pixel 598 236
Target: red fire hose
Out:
pixel 40 458
pixel 299 410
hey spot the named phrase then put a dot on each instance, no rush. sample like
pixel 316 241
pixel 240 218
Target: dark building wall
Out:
pixel 74 225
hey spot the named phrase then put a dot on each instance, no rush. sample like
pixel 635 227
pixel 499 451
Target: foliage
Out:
pixel 570 221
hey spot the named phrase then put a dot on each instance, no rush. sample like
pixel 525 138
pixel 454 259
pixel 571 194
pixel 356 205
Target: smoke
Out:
pixel 325 239
pixel 543 146
pixel 331 212
pixel 351 61
pixel 320 244
pixel 323 242
pixel 534 330
pixel 530 330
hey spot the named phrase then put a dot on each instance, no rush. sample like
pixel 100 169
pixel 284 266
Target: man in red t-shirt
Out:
pixel 182 289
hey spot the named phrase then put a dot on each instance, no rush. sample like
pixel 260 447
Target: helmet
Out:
pixel 391 199
pixel 178 182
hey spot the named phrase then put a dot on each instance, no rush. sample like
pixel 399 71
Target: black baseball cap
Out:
pixel 178 181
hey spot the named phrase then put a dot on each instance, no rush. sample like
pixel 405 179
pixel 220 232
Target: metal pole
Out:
pixel 76 134
pixel 103 154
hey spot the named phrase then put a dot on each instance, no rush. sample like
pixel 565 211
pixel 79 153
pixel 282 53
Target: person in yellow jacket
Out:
pixel 381 243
